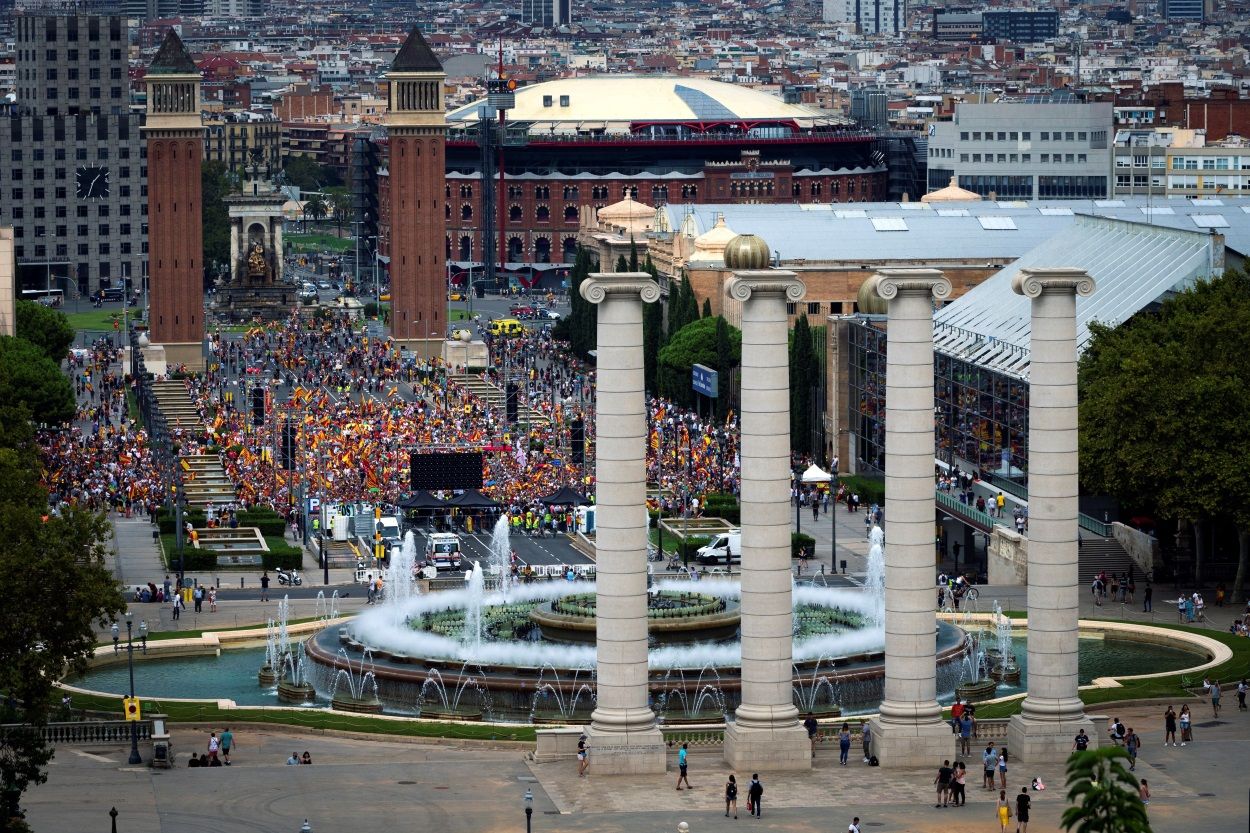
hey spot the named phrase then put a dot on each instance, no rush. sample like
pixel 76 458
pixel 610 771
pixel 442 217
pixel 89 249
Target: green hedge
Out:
pixel 687 550
pixel 281 554
pixel 721 505
pixel 870 489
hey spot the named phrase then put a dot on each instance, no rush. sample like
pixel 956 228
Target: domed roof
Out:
pixel 627 209
pixel 870 303
pixel 710 245
pixel 951 193
pixel 747 251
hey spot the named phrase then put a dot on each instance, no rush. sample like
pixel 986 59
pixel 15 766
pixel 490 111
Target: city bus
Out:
pixel 47 297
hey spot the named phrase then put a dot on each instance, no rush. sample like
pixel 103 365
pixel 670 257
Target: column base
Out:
pixel 632 752
pixel 425 348
pixel 189 353
pixel 912 744
pixel 767 749
pixel 1047 741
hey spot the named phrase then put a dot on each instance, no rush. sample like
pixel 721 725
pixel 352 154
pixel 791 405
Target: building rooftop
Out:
pixel 172 58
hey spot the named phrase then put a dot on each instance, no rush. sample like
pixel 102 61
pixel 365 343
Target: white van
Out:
pixel 442 549
pixel 725 548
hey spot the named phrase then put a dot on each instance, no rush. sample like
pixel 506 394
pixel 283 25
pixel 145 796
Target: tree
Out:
pixel 725 365
pixel 689 303
pixel 30 379
pixel 694 344
pixel 315 208
pixel 583 317
pixel 341 206
pixel 306 174
pixel 1103 794
pixel 1162 404
pixel 803 376
pixel 652 334
pixel 621 264
pixel 707 308
pixel 216 184
pixel 633 254
pixel 47 329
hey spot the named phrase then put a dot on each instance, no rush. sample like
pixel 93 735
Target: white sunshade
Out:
pixel 815 474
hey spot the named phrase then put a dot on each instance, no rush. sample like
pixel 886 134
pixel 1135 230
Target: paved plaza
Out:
pixel 365 785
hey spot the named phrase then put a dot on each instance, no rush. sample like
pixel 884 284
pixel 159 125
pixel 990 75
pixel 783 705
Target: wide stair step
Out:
pixel 1098 554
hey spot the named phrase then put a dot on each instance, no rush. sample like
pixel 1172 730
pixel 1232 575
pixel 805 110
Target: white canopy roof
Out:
pixel 815 474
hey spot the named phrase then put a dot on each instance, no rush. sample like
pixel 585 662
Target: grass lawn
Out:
pixel 318 241
pixel 95 319
pixel 184 712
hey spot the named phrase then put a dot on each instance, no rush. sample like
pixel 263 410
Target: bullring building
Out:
pixel 580 144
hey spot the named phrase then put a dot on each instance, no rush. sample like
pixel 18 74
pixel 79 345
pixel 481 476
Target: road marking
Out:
pixel 99 758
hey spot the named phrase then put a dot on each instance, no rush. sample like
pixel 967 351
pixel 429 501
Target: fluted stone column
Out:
pixel 623 734
pixel 909 730
pixel 766 733
pixel 1052 711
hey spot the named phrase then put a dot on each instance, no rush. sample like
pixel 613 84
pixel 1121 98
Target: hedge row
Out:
pixel 281 555
pixel 870 489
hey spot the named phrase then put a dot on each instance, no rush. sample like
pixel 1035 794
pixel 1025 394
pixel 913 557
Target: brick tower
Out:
pixel 416 129
pixel 175 138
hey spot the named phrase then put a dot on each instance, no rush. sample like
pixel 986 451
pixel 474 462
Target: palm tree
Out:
pixel 315 208
pixel 1103 794
pixel 341 204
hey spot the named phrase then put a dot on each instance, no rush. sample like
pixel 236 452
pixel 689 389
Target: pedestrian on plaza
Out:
pixel 731 795
pixel 854 826
pixel 1242 688
pixel 1169 726
pixel 1187 735
pixel 813 729
pixel 212 600
pixel 213 746
pixel 1002 768
pixel 1132 743
pixel 681 767
pixel 166 587
pixel 965 734
pixel 1147 598
pixel 369 584
pixel 264 586
pixel 583 761
pixel 943 782
pixel 1143 791
pixel 866 736
pixel 989 758
pixel 1023 803
pixel 1003 810
pixel 844 743
pixel 198 596
pixel 227 743
pixel 959 795
pixel 755 794
pixel 1081 743
pixel 178 605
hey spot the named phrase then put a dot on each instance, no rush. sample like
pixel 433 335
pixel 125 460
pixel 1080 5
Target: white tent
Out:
pixel 815 474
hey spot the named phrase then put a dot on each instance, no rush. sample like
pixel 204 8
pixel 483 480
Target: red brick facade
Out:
pixel 175 236
pixel 415 216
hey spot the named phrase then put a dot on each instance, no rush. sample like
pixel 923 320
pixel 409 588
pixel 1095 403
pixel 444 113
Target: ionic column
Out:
pixel 623 731
pixel 909 731
pixel 1052 711
pixel 766 733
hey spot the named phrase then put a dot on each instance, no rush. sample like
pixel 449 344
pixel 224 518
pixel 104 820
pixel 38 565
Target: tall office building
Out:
pixel 547 13
pixel 1184 9
pixel 870 17
pixel 72 170
pixel 869 108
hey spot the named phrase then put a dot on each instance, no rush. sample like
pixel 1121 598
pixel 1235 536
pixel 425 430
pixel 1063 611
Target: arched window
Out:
pixel 514 213
pixel 466 248
pixel 466 212
pixel 448 191
pixel 542 192
pixel 542 214
pixel 449 247
pixel 515 249
pixel 514 192
pixel 542 250
pixel 447 210
pixel 816 189
pixel 570 192
pixel 570 213
pixel 570 249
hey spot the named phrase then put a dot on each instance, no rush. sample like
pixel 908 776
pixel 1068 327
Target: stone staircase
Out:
pixel 494 397
pixel 1097 554
pixel 204 479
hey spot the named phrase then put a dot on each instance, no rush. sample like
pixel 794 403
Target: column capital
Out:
pixel 599 285
pixel 1032 281
pixel 742 285
pixel 890 283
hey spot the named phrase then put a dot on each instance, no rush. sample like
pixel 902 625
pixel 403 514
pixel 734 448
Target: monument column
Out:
pixel 909 730
pixel 623 734
pixel 766 733
pixel 1052 711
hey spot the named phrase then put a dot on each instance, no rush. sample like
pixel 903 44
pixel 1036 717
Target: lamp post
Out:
pixel 135 757
pixel 529 809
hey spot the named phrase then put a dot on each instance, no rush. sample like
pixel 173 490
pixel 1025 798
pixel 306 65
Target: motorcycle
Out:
pixel 289 579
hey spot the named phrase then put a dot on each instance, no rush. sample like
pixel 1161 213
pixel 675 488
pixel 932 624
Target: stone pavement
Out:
pixel 367 785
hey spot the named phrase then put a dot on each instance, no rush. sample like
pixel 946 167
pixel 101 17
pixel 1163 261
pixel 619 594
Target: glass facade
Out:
pixel 981 417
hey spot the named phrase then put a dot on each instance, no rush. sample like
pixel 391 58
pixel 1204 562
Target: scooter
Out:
pixel 291 578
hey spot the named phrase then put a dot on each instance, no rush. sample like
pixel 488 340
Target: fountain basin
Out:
pixel 974 692
pixel 289 692
pixel 267 676
pixel 440 712
pixel 360 705
pixel 672 618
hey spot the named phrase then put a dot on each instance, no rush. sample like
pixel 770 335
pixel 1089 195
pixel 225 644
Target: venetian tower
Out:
pixel 175 145
pixel 416 127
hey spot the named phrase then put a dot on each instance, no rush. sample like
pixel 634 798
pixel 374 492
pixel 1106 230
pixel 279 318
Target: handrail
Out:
pixel 1010 486
pixel 85 731
pixel 1094 525
pixel 949 501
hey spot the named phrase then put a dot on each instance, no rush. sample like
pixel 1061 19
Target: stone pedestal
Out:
pixel 909 730
pixel 189 353
pixel 766 733
pixel 622 735
pixel 1052 711
pixel 422 348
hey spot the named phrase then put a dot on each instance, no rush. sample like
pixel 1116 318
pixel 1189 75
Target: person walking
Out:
pixel 1215 697
pixel 1242 688
pixel 959 795
pixel 1143 790
pixel 989 759
pixel 755 794
pixel 1002 768
pixel 1023 804
pixel 583 761
pixel 681 767
pixel 854 826
pixel 227 743
pixel 1132 743
pixel 844 743
pixel 1169 726
pixel 1187 735
pixel 943 781
pixel 1003 810
pixel 264 586
pixel 212 600
pixel 731 795
pixel 214 745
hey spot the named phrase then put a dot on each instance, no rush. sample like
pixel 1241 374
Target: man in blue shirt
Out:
pixel 681 768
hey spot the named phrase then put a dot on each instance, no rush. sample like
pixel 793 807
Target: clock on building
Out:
pixel 92 183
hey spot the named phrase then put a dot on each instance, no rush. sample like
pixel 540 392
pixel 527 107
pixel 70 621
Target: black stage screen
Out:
pixel 447 470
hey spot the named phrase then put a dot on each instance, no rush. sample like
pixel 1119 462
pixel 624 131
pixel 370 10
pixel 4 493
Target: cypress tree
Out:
pixel 725 366
pixel 802 377
pixel 707 307
pixel 652 326
pixel 633 254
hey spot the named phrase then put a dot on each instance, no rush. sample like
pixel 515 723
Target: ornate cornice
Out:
pixel 1032 282
pixel 890 283
pixel 741 286
pixel 599 285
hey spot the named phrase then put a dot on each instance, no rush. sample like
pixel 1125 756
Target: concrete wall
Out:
pixel 1008 557
pixel 1142 548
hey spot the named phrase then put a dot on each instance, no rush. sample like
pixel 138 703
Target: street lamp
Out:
pixel 135 757
pixel 529 808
